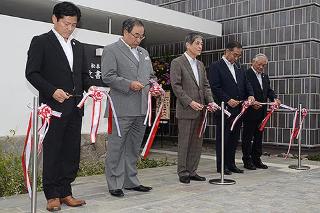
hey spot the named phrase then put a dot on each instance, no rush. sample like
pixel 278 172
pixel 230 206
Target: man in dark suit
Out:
pixel 252 119
pixel 229 84
pixel 191 87
pixel 56 68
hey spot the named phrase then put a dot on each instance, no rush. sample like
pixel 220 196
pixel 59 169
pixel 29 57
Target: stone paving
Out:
pixel 277 189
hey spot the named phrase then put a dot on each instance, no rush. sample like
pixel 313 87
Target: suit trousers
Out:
pixel 61 154
pixel 189 146
pixel 251 151
pixel 231 140
pixel 123 153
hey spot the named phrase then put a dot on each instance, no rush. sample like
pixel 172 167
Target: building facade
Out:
pixel 287 31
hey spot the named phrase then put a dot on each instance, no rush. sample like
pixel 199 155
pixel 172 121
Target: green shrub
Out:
pixel 151 163
pixel 88 168
pixel 314 157
pixel 11 175
pixel 12 181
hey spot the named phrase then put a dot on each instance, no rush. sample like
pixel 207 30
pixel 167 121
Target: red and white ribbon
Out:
pixel 203 123
pixel 274 106
pixel 245 106
pixel 205 117
pixel 154 88
pixel 296 127
pixel 25 157
pixel 45 113
pixel 97 96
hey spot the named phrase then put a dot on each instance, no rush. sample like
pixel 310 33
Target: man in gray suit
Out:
pixel 190 85
pixel 127 69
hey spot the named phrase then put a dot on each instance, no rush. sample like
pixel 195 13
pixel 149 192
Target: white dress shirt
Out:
pixel 259 77
pixel 133 50
pixel 231 68
pixel 193 63
pixel 66 46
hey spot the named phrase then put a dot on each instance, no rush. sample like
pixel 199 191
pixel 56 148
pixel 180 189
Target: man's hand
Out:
pixel 60 95
pixel 92 88
pixel 251 100
pixel 196 106
pixel 212 107
pixel 233 103
pixel 155 93
pixel 277 101
pixel 136 86
pixel 256 105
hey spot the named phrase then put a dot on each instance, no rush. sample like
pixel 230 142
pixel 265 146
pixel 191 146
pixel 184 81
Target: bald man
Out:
pixel 252 136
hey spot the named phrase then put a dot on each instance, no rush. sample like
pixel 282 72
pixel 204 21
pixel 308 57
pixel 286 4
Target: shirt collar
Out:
pixel 227 62
pixel 60 38
pixel 191 60
pixel 255 71
pixel 130 48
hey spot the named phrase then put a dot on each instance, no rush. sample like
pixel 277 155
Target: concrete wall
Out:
pixel 16 93
pixel 287 31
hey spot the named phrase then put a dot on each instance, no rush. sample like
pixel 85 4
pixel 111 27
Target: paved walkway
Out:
pixel 277 189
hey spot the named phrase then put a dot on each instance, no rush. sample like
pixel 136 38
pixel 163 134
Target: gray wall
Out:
pixel 287 31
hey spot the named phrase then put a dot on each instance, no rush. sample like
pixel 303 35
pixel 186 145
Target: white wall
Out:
pixel 15 92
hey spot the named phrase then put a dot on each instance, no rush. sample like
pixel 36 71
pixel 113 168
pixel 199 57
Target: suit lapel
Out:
pixel 127 52
pixel 200 73
pixel 76 56
pixel 256 81
pixel 189 69
pixel 56 44
pixel 227 71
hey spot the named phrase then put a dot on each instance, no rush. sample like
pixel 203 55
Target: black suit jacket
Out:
pixel 224 87
pixel 260 95
pixel 48 69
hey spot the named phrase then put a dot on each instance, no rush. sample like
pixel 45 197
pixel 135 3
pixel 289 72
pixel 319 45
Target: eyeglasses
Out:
pixel 138 36
pixel 235 54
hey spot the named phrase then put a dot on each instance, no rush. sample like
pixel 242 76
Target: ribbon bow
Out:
pixel 97 96
pixel 45 113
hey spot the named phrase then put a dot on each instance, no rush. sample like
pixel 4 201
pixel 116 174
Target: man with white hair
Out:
pixel 260 82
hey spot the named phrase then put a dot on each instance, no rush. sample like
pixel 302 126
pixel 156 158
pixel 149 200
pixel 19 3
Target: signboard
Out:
pixel 166 106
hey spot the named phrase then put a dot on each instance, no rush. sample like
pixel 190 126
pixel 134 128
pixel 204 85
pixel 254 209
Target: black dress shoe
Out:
pixel 261 165
pixel 249 165
pixel 226 172
pixel 197 177
pixel 184 179
pixel 117 192
pixel 140 188
pixel 236 170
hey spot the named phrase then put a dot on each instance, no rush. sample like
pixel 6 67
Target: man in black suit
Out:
pixel 252 119
pixel 57 68
pixel 229 84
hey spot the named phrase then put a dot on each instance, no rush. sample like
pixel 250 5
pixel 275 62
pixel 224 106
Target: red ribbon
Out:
pixel 45 113
pixel 155 88
pixel 97 95
pixel 297 127
pixel 109 129
pixel 273 107
pixel 245 106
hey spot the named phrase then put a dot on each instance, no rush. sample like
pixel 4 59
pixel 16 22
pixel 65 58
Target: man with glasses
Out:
pixel 191 87
pixel 229 84
pixel 260 82
pixel 127 69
